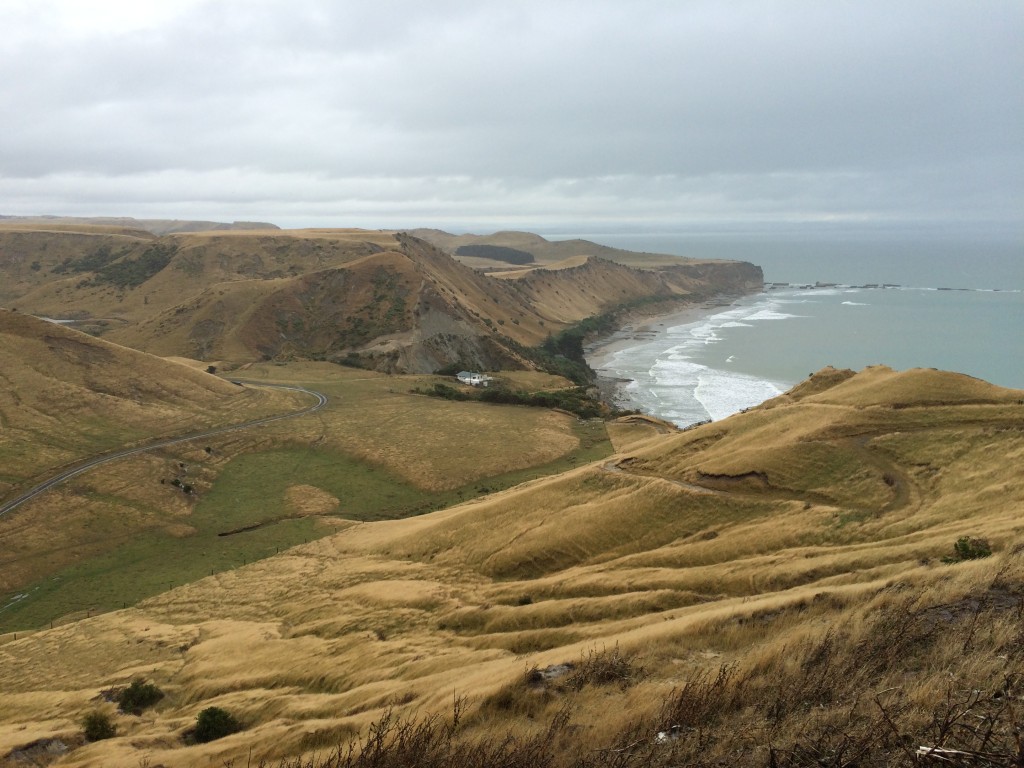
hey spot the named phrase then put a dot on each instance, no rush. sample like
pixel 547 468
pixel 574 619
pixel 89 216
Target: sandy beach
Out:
pixel 639 330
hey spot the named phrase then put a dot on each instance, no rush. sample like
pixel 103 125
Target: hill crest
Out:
pixel 807 534
pixel 250 295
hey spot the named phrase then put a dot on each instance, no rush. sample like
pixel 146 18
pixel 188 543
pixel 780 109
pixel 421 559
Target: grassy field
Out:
pixel 67 396
pixel 433 444
pixel 693 580
pixel 124 532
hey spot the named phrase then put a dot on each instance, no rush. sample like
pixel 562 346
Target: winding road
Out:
pixel 87 464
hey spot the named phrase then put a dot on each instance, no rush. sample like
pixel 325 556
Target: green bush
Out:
pixel 92 262
pixel 969 548
pixel 131 273
pixel 137 696
pixel 215 723
pixel 496 253
pixel 97 726
pixel 575 400
pixel 445 392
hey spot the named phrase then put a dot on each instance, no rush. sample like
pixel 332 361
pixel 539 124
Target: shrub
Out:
pixel 97 726
pixel 496 253
pixel 446 392
pixel 968 548
pixel 605 667
pixel 215 723
pixel 139 695
pixel 131 273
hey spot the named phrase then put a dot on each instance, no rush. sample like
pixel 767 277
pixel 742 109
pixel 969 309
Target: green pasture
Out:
pixel 250 490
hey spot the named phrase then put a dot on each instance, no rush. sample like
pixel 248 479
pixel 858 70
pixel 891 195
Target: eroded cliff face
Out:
pixel 708 278
pixel 387 301
pixel 483 321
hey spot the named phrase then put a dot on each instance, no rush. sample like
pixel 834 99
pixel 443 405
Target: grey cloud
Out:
pixel 738 109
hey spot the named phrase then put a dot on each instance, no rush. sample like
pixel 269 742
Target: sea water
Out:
pixel 954 306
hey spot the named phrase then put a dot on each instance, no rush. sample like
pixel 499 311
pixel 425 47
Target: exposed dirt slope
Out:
pixel 405 308
pixel 389 301
pixel 411 308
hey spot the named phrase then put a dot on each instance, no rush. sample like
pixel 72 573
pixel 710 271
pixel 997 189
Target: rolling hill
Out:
pixel 126 530
pixel 67 395
pixel 155 226
pixel 543 251
pixel 778 588
pixel 382 300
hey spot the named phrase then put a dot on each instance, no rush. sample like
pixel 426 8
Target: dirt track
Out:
pixel 96 461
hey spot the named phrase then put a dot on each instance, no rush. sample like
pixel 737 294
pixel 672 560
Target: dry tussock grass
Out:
pixel 631 432
pixel 367 417
pixel 310 500
pixel 791 637
pixel 880 385
pixel 432 443
pixel 67 395
pixel 111 505
pixel 898 672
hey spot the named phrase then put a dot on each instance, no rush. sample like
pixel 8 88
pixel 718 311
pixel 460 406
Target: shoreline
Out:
pixel 638 330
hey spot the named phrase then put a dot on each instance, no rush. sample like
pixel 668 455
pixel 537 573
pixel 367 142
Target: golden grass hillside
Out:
pixel 378 299
pixel 29 255
pixel 406 308
pixel 774 585
pixel 108 279
pixel 67 395
pixel 377 450
pixel 546 252
pixel 157 227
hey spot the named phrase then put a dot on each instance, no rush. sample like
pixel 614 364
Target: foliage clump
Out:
pixel 215 723
pixel 605 667
pixel 444 391
pixel 139 695
pixel 496 253
pixel 969 548
pixel 96 726
pixel 563 353
pixel 576 400
pixel 131 273
pixel 92 262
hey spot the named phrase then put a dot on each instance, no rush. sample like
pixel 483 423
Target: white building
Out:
pixel 473 379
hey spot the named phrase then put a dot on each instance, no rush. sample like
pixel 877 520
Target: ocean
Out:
pixel 953 304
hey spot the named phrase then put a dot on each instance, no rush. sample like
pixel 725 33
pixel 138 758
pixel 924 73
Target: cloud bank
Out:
pixel 534 114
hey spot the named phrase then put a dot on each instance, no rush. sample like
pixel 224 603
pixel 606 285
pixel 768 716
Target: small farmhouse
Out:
pixel 473 379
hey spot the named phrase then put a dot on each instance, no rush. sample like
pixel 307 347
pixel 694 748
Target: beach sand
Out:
pixel 639 330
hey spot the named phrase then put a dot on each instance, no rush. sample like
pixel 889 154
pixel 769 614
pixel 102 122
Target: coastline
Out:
pixel 639 329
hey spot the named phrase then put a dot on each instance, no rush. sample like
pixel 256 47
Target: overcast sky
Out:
pixel 549 115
